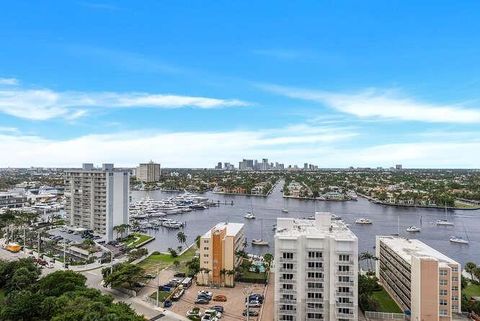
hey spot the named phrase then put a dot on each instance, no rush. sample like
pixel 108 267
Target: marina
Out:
pixel 386 220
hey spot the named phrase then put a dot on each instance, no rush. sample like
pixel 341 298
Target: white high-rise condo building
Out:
pixel 97 198
pixel 316 267
pixel 148 172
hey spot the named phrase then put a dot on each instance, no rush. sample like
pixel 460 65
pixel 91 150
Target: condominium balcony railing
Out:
pixel 349 315
pixel 287 291
pixel 344 283
pixel 314 289
pixel 344 272
pixel 314 269
pixel 344 304
pixel 314 279
pixel 283 259
pixel 282 269
pixel 345 294
pixel 317 310
pixel 287 301
pixel 287 312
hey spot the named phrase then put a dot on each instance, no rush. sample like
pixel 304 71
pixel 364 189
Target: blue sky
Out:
pixel 190 83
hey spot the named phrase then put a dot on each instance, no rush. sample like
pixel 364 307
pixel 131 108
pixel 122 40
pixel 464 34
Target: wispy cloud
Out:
pixel 383 104
pixel 42 104
pixel 9 81
pixel 183 149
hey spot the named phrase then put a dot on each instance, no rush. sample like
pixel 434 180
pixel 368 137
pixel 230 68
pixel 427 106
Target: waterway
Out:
pixel 268 209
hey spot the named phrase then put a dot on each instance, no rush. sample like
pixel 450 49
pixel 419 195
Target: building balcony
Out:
pixel 344 304
pixel 344 272
pixel 314 279
pixel 294 270
pixel 314 319
pixel 287 280
pixel 315 310
pixel 287 301
pixel 314 269
pixel 343 283
pixel 287 291
pixel 282 259
pixel 344 294
pixel 287 312
pixel 314 289
pixel 349 315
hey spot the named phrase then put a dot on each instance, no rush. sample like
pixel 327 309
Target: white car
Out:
pixel 253 304
pixel 213 313
pixel 210 294
pixel 207 317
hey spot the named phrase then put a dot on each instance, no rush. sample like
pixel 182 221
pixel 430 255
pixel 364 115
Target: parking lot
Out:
pixel 233 307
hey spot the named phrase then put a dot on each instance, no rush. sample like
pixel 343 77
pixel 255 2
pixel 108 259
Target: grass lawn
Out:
pixel 471 290
pixel 459 204
pixel 162 295
pixel 160 261
pixel 136 239
pixel 385 302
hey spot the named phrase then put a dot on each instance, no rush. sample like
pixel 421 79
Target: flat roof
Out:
pixel 407 248
pixel 321 226
pixel 232 228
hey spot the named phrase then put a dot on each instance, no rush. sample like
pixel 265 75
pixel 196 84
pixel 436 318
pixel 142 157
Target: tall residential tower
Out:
pixel 97 198
pixel 316 270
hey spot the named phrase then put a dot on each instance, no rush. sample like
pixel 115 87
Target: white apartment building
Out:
pixel 148 172
pixel 419 278
pixel 97 198
pixel 316 270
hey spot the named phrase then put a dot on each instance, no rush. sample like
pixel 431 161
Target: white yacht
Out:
pixel 458 239
pixel 249 216
pixel 259 242
pixel 444 223
pixel 363 221
pixel 413 229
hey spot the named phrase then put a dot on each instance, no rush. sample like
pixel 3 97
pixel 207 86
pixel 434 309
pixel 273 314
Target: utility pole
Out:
pixel 158 284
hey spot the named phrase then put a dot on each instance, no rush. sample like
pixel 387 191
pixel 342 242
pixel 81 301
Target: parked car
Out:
pixel 210 294
pixel 202 301
pixel 194 312
pixel 209 318
pixel 220 298
pixel 253 304
pixel 213 313
pixel 167 304
pixel 217 308
pixel 256 297
pixel 251 313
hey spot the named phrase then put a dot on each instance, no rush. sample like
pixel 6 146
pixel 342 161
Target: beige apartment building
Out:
pixel 419 278
pixel 217 253
pixel 148 172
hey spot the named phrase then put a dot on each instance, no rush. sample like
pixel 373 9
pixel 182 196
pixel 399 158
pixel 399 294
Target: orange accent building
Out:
pixel 217 253
pixel 419 278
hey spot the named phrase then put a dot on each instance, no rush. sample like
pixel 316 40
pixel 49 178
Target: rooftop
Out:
pixel 322 226
pixel 407 248
pixel 232 228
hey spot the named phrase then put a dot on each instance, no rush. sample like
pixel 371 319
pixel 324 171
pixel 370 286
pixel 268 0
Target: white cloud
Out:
pixel 42 104
pixel 183 149
pixel 383 104
pixel 9 81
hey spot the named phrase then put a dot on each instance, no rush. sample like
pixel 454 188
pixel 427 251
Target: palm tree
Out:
pixel 470 268
pixel 230 273
pixel 181 237
pixel 369 257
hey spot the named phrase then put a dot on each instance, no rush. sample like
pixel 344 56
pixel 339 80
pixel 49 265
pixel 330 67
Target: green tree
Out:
pixel 124 275
pixel 60 282
pixel 181 237
pixel 470 268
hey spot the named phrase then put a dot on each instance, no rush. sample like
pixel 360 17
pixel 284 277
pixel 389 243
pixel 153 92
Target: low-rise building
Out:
pixel 419 278
pixel 218 248
pixel 12 200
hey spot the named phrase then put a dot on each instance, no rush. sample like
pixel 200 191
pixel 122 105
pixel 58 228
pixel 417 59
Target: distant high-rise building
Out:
pixel 97 198
pixel 398 167
pixel 419 278
pixel 316 268
pixel 148 172
pixel 305 166
pixel 219 165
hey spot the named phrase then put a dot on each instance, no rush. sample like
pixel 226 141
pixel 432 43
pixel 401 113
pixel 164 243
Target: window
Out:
pixel 455 279
pixel 314 275
pixel 343 279
pixel 344 257
pixel 315 316
pixel 443 313
pixel 287 255
pixel 288 266
pixel 312 305
pixel 343 268
pixel 454 269
pixel 443 282
pixel 314 265
pixel 344 289
pixel 205 248
pixel 314 254
pixel 455 288
pixel 454 298
pixel 314 295
pixel 286 317
pixel 313 285
pixel 443 302
pixel 344 310
pixel 287 276
pixel 344 300
pixel 287 286
pixel 443 292
pixel 287 307
pixel 443 272
pixel 205 255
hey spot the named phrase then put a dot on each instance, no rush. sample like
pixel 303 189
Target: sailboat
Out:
pixel 260 241
pixel 250 214
pixel 415 229
pixel 445 222
pixel 459 239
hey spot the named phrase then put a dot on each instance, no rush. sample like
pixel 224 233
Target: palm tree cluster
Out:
pixel 370 259
pixel 121 229
pixel 474 271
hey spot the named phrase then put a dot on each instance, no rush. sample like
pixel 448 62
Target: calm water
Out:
pixel 385 218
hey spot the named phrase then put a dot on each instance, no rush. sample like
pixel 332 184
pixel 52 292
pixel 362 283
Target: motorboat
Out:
pixel 444 223
pixel 363 221
pixel 335 217
pixel 284 210
pixel 249 215
pixel 458 240
pixel 413 229
pixel 259 242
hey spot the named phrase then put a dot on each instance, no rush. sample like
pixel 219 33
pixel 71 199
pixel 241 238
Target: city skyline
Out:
pixel 337 84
